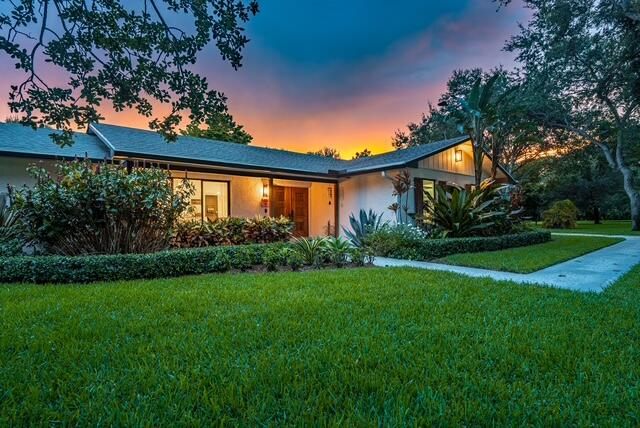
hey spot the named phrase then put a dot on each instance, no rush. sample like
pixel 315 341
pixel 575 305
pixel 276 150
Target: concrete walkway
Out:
pixel 592 272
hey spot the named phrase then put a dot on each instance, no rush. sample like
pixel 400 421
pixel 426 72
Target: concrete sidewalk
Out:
pixel 591 272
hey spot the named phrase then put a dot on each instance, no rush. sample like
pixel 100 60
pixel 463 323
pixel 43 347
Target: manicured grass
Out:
pixel 534 257
pixel 360 347
pixel 608 227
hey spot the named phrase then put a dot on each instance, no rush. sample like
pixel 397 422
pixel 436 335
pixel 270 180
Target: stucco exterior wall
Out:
pixel 366 191
pixel 13 171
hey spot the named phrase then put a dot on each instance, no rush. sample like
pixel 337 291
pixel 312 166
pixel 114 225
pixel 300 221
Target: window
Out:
pixel 210 200
pixel 428 187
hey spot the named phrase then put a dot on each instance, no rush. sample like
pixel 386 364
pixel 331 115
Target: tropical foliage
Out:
pixel 401 183
pixel 232 231
pixel 459 212
pixel 99 209
pixel 11 241
pixel 366 223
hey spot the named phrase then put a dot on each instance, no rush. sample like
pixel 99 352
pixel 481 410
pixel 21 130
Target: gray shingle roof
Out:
pixel 24 141
pixel 137 142
pixel 132 142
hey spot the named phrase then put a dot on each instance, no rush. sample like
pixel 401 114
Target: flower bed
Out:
pixel 428 249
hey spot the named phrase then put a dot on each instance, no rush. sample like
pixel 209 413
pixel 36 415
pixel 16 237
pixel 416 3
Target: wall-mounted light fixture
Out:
pixel 458 155
pixel 265 189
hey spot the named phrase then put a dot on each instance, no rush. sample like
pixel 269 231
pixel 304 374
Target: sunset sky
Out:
pixel 344 74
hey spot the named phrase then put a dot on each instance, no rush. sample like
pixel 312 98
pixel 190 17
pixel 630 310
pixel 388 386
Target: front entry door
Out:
pixel 292 202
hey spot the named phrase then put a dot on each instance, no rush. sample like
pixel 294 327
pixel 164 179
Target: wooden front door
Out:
pixel 292 202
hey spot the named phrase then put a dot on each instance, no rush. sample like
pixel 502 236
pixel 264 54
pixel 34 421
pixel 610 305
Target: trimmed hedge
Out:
pixel 164 264
pixel 428 249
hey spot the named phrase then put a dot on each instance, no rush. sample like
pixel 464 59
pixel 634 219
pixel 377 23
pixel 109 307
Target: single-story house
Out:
pixel 318 193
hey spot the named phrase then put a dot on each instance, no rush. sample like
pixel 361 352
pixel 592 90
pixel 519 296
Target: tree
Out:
pixel 328 152
pixel 112 51
pixel 435 125
pixel 220 127
pixel 476 115
pixel 365 153
pixel 583 57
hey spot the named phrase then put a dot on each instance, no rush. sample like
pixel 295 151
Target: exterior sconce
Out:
pixel 458 155
pixel 265 190
pixel 330 191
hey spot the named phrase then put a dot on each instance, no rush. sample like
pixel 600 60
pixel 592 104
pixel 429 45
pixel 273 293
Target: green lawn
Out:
pixel 534 257
pixel 364 347
pixel 608 227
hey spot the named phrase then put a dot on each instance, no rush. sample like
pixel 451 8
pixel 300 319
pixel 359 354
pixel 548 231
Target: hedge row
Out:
pixel 429 249
pixel 62 269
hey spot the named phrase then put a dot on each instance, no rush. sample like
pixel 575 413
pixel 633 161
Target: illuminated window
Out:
pixel 209 202
pixel 458 155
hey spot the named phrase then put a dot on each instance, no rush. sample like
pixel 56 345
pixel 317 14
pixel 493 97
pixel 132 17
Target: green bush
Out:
pixel 82 269
pixel 220 263
pixel 561 215
pixel 293 258
pixel 100 209
pixel 232 231
pixel 390 237
pixel 428 249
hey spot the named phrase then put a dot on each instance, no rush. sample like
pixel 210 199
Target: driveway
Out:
pixel 591 272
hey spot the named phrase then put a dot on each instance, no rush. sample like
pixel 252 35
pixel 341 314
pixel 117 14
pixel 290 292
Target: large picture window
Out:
pixel 210 200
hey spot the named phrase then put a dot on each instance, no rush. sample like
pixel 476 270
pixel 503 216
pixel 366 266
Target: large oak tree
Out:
pixel 583 58
pixel 128 54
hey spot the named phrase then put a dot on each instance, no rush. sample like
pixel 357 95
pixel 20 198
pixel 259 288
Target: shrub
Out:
pixel 293 258
pixel 163 264
pixel 459 212
pixel 337 250
pixel 395 236
pixel 361 227
pixel 428 249
pixel 100 209
pixel 272 258
pixel 232 231
pixel 220 263
pixel 357 256
pixel 561 215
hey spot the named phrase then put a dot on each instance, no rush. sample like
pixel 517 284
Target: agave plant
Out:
pixel 362 226
pixel 311 251
pixel 461 212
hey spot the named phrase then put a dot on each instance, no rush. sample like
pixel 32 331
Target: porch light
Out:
pixel 265 190
pixel 458 155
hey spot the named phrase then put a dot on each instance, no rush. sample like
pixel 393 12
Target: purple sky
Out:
pixel 344 74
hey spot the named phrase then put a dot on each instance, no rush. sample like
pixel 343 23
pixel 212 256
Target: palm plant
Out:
pixel 366 223
pixel 461 212
pixel 476 117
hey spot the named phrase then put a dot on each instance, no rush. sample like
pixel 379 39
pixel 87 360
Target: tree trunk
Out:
pixel 628 178
pixel 634 196
pixel 597 219
pixel 478 158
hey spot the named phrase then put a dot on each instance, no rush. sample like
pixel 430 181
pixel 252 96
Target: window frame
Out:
pixel 202 180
